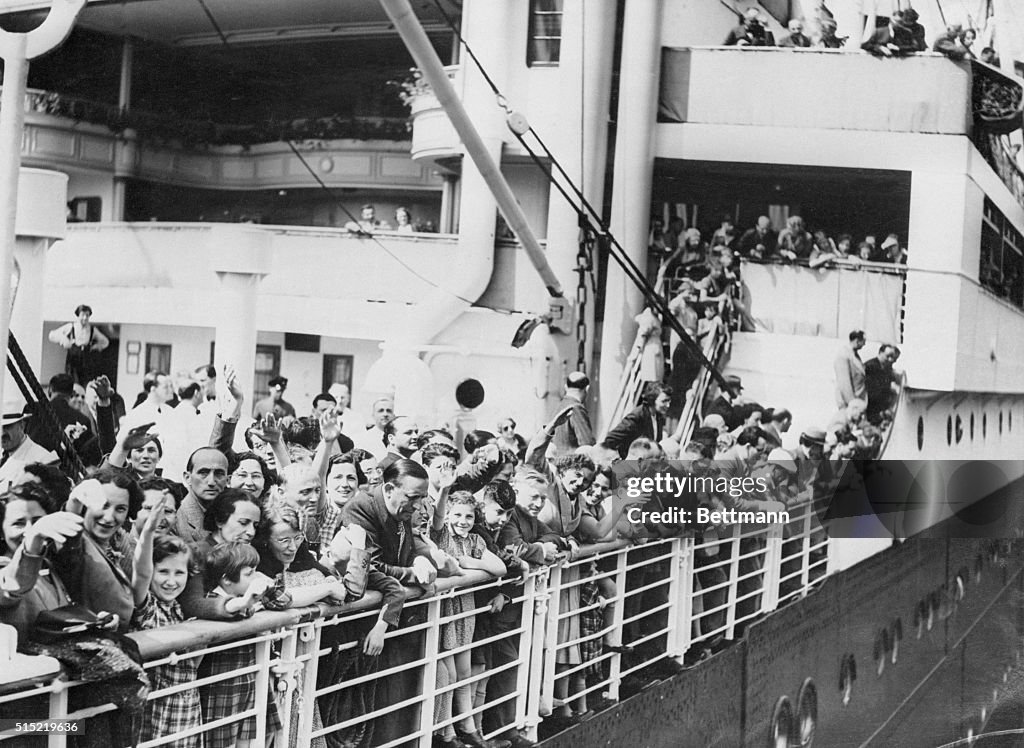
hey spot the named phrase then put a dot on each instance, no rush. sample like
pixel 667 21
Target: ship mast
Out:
pixel 17 49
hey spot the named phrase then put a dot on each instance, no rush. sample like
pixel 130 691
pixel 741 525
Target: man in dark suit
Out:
pixel 724 405
pixel 72 422
pixel 576 430
pixel 648 420
pixel 891 40
pixel 386 516
pixel 751 33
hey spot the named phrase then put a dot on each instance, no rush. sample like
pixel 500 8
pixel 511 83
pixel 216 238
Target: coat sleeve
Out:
pixel 620 437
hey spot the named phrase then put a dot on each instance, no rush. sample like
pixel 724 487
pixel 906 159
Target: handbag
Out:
pixel 68 620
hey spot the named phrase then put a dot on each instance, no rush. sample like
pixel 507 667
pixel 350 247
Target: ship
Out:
pixel 215 162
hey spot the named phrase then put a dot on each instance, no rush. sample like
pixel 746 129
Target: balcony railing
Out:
pixel 672 596
pixel 166 127
pixel 795 299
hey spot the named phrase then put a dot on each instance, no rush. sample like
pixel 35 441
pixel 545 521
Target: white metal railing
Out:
pixel 664 597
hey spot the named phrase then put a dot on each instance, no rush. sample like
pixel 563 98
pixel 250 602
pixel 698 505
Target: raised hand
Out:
pixel 330 424
pixel 270 429
pixel 54 528
pixel 102 386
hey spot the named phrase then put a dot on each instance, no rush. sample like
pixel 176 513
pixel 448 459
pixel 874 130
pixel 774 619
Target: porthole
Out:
pixel 897 637
pixel 920 433
pixel 972 426
pixel 984 425
pixel 958 429
pixel 932 606
pixel 949 430
pixel 920 618
pixel 847 675
pixel 882 649
pixel 979 566
pixel 807 714
pixel 1009 421
pixel 782 724
pixel 1000 423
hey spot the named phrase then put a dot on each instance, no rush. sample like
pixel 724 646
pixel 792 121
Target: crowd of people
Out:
pixel 897 35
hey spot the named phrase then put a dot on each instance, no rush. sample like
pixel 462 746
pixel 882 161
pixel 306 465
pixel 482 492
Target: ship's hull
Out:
pixel 916 646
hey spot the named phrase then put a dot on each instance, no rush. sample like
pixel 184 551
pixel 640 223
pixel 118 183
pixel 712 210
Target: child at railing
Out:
pixel 230 573
pixel 160 574
pixel 455 536
pixel 492 512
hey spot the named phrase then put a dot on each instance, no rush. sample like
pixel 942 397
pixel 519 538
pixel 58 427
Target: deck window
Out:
pixel 544 46
pixel 1001 270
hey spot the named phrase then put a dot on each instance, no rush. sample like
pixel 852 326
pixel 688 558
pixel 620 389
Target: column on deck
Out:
pixel 241 258
pixel 584 90
pixel 631 192
pixel 41 220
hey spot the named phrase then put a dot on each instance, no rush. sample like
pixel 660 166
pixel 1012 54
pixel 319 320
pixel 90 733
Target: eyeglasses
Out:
pixel 293 541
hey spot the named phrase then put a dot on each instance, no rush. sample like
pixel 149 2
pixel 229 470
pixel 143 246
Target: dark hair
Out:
pixel 501 493
pixel 165 546
pixel 573 462
pixel 121 479
pixel 577 380
pixel 188 391
pixel 707 437
pixel 476 439
pixel 349 458
pixel 750 436
pixel 209 369
pixel 389 427
pixel 82 308
pixel 651 391
pixel 325 396
pixel 223 506
pixel 856 335
pixel 139 439
pixel 304 431
pixel 781 415
pixel 226 561
pixel 162 484
pixel 404 469
pixel 269 476
pixel 52 480
pixel 281 382
pixel 28 492
pixel 191 458
pixel 361 455
pixel 432 451
pixel 149 381
pixel 742 412
pixel 429 434
pixel 63 384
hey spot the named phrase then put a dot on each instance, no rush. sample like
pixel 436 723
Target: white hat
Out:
pixel 14 411
pixel 783 459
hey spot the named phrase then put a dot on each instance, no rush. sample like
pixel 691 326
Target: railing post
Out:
pixel 58 710
pixel 288 648
pixel 305 682
pixel 550 640
pixel 431 644
pixel 615 664
pixel 538 626
pixel 683 600
pixel 526 645
pixel 734 573
pixel 773 561
pixel 805 547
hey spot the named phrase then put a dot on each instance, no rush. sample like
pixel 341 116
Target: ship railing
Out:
pixel 667 602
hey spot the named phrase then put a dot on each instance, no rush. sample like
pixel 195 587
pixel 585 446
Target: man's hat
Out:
pixel 281 382
pixel 577 380
pixel 890 241
pixel 814 435
pixel 783 459
pixel 15 411
pixel 734 382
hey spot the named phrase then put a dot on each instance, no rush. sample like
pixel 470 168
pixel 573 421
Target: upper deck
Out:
pixel 832 107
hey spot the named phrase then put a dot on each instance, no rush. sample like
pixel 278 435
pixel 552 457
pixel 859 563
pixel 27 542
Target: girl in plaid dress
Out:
pixel 230 572
pixel 161 571
pixel 457 538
